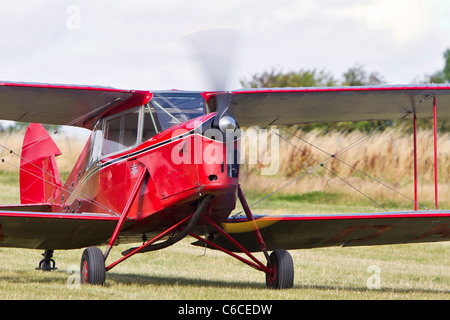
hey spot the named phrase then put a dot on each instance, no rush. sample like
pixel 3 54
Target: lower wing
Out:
pixel 35 227
pixel 313 231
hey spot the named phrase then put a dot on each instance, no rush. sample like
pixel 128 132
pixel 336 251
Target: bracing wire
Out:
pixel 401 115
pixel 322 164
pixel 65 187
pixel 69 189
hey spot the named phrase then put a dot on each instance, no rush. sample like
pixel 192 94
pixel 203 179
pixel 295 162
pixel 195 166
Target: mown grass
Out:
pixel 419 271
pixel 185 272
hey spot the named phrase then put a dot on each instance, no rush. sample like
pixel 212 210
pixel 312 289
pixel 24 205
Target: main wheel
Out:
pixel 92 268
pixel 283 270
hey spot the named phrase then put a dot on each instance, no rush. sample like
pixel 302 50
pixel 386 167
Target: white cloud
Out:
pixel 139 44
pixel 405 20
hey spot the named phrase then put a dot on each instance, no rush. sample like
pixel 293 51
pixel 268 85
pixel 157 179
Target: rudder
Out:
pixel 39 176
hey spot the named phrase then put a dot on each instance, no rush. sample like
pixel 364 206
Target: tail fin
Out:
pixel 39 176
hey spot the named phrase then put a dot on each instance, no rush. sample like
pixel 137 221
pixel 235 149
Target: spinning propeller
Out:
pixel 214 49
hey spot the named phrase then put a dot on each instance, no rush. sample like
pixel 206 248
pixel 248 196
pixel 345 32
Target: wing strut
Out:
pixel 134 192
pixel 415 161
pixel 435 158
pixel 280 266
pixel 191 219
pixel 249 215
pixel 435 155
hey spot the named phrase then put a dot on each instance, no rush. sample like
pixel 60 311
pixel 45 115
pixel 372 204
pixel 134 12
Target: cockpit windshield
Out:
pixel 174 108
pixel 127 129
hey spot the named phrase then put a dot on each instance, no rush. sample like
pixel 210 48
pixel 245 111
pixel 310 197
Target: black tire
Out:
pixel 92 268
pixel 46 265
pixel 283 268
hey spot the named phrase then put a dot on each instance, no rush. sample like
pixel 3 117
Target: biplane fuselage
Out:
pixel 179 161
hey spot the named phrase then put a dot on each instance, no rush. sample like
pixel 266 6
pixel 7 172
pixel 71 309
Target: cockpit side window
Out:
pixel 121 132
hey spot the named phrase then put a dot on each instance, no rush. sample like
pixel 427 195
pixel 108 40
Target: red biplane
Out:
pixel 140 178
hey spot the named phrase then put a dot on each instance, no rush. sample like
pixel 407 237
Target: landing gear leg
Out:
pixel 47 263
pixel 279 262
pixel 280 267
pixel 93 269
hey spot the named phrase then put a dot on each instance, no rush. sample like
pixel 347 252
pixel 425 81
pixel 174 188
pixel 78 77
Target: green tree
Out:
pixel 357 76
pixel 278 79
pixel 446 70
pixel 354 76
pixel 443 75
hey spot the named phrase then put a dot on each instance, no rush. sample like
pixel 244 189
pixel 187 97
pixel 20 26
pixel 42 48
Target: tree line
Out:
pixel 354 76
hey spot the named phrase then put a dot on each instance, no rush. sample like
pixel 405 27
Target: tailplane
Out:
pixel 39 176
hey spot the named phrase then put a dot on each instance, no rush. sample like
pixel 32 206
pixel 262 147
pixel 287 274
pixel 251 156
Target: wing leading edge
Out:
pixel 314 231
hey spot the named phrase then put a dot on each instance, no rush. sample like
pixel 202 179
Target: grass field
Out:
pixel 419 271
pixel 404 272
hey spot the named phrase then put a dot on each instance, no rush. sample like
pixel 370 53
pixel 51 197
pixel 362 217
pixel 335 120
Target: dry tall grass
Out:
pixel 70 146
pixel 373 164
pixel 386 156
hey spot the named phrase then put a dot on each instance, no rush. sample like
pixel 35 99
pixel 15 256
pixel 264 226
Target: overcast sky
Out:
pixel 136 44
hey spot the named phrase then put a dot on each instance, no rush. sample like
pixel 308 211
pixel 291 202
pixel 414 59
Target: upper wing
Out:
pixel 284 106
pixel 313 231
pixel 59 104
